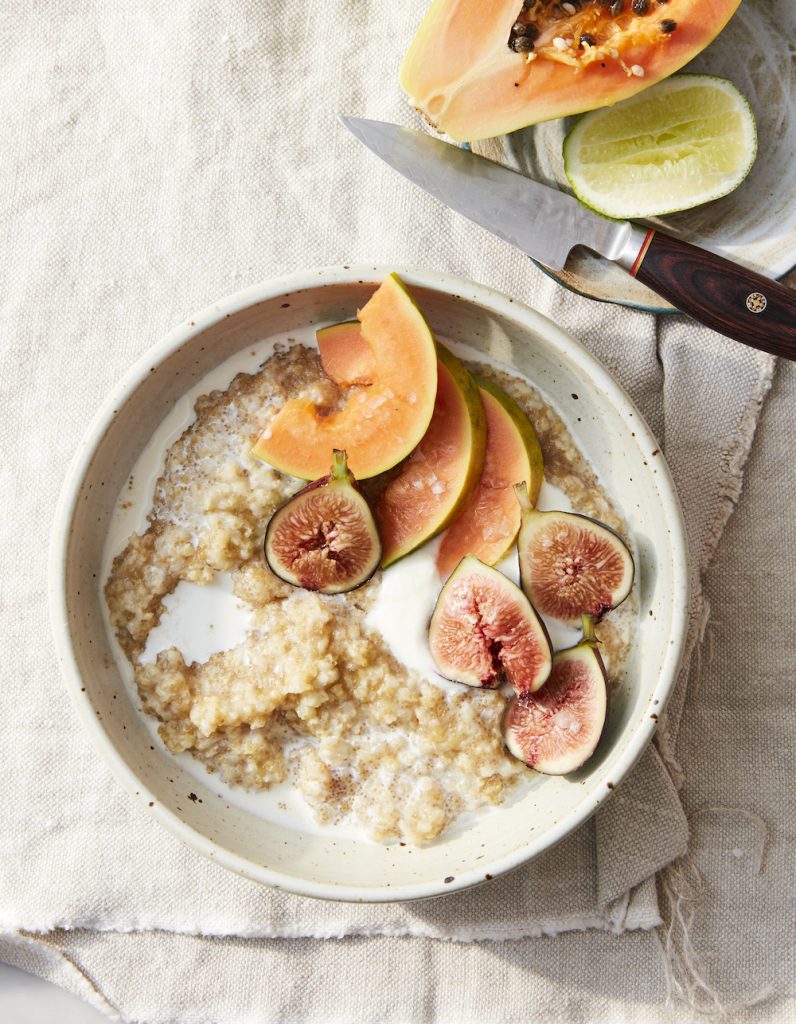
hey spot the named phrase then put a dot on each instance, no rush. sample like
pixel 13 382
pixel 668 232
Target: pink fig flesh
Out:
pixel 556 729
pixel 484 630
pixel 324 538
pixel 572 565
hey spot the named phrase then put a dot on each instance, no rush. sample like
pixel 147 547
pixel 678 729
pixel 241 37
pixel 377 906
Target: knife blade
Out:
pixel 546 224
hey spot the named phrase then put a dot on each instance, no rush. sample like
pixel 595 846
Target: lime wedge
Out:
pixel 682 142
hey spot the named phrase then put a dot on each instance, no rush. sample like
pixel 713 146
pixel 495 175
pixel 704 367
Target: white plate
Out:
pixel 756 224
pixel 610 432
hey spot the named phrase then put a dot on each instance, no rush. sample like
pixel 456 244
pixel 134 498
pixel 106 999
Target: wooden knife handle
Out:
pixel 723 295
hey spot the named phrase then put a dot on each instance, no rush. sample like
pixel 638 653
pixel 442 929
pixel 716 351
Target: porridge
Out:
pixel 316 693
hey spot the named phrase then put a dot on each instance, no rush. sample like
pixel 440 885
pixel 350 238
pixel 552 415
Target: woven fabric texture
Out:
pixel 155 157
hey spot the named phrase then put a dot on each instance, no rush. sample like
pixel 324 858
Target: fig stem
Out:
pixel 521 490
pixel 587 625
pixel 339 464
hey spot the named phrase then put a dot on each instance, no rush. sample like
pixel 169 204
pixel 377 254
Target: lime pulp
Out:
pixel 685 141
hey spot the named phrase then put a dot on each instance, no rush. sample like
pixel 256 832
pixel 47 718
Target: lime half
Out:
pixel 682 142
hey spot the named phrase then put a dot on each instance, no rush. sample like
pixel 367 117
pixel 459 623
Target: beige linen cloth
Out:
pixel 155 156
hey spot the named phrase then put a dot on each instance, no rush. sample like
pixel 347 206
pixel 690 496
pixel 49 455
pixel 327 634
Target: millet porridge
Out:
pixel 314 693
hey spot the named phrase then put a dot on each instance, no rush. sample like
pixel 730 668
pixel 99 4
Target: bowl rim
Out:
pixel 486 298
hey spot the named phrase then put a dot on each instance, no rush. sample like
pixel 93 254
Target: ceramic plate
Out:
pixel 756 224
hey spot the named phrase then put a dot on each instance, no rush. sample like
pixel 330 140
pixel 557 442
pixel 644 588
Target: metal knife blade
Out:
pixel 546 224
pixel 541 221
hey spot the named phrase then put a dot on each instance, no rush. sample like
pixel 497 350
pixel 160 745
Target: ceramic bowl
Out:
pixel 610 432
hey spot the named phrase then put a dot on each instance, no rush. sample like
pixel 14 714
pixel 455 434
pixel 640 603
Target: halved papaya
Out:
pixel 379 424
pixel 440 474
pixel 489 521
pixel 477 70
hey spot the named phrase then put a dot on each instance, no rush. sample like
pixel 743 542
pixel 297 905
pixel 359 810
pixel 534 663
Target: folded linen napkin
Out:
pixel 154 158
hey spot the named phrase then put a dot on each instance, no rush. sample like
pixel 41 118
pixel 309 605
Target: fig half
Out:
pixel 557 729
pixel 484 630
pixel 325 538
pixel 571 565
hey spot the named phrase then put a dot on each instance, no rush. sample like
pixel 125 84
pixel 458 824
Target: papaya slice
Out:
pixel 489 521
pixel 439 478
pixel 378 425
pixel 441 473
pixel 477 71
pixel 345 357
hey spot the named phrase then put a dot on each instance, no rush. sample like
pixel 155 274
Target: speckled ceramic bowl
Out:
pixel 608 429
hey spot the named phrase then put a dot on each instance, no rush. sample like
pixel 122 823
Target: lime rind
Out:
pixel 688 140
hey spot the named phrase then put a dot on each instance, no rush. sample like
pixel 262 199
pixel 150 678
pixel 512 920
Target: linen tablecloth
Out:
pixel 155 157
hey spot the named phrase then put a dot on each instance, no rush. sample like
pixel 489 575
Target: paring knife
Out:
pixel 546 224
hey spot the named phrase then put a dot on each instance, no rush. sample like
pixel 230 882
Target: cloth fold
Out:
pixel 157 157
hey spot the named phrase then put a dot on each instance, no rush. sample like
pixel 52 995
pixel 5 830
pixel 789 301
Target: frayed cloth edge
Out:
pixel 614 923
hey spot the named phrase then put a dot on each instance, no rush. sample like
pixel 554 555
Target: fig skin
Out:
pixel 556 730
pixel 484 630
pixel 324 537
pixel 555 583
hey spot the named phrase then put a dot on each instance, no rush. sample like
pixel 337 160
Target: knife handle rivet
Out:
pixel 756 302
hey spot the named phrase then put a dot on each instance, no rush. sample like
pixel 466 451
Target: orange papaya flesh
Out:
pixel 463 75
pixel 441 473
pixel 443 470
pixel 345 357
pixel 489 522
pixel 378 425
